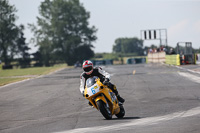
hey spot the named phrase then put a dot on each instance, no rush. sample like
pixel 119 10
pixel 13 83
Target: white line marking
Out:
pixel 187 69
pixel 139 122
pixel 190 76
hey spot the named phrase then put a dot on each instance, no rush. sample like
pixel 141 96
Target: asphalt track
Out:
pixel 159 99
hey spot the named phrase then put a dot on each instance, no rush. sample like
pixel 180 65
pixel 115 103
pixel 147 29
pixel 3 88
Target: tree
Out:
pixel 84 53
pixel 22 49
pixel 128 45
pixel 38 58
pixel 8 31
pixel 63 29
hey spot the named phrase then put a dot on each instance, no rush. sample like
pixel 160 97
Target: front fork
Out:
pixel 102 97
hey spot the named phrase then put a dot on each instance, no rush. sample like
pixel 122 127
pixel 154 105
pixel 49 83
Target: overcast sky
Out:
pixel 126 18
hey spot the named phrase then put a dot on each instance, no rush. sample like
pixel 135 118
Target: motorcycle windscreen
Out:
pixel 92 87
pixel 91 81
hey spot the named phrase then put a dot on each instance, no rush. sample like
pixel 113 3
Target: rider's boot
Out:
pixel 122 100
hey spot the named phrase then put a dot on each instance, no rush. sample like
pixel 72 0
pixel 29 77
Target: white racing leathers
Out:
pixel 96 72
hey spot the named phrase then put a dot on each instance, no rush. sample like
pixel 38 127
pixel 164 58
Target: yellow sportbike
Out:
pixel 103 99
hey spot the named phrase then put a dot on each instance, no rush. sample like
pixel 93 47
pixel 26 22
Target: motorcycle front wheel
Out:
pixel 104 109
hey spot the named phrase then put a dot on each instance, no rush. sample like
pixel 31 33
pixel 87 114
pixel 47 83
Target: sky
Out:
pixel 127 18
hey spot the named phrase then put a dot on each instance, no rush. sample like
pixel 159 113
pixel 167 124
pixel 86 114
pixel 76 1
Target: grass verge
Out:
pixel 13 75
pixel 5 81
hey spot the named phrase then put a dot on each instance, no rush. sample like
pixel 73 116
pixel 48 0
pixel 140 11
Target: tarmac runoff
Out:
pixel 190 77
pixel 193 71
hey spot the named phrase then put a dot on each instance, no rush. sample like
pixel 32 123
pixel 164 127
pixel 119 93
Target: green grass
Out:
pixel 8 76
pixel 5 81
pixel 0 66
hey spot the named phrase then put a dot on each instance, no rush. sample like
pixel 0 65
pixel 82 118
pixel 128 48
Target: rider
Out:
pixel 89 71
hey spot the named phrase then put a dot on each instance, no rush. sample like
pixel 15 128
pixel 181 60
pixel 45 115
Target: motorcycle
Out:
pixel 103 99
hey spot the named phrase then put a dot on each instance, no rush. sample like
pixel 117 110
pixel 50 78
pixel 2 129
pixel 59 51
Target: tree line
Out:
pixel 62 34
pixel 12 41
pixel 128 45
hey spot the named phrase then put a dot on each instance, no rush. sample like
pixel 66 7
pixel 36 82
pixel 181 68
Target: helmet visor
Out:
pixel 87 69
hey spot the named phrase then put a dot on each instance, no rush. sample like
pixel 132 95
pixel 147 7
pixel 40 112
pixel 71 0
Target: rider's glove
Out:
pixel 106 81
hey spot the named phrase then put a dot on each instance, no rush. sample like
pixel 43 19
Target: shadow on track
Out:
pixel 127 118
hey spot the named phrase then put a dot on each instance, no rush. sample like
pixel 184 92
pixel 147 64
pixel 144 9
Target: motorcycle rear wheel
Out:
pixel 105 111
pixel 121 113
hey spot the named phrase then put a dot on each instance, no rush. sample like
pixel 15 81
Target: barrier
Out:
pixel 172 59
pixel 197 58
pixel 161 57
pixel 136 60
pixel 102 62
pixel 156 57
